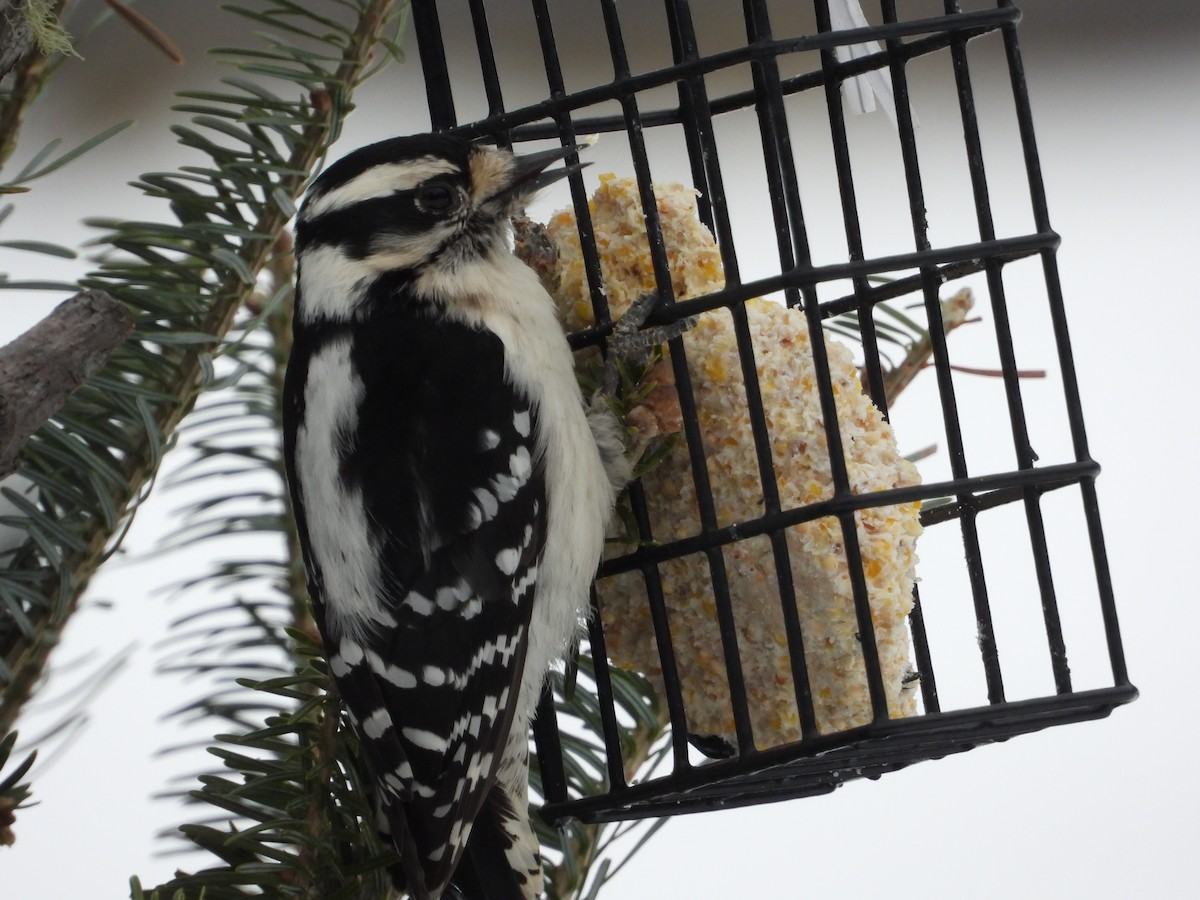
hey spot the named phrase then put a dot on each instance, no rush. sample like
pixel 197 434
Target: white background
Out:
pixel 1098 810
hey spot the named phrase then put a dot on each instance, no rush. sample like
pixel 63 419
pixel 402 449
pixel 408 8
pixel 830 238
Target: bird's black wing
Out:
pixel 443 457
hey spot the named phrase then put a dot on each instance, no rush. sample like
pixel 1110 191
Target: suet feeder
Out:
pixel 852 658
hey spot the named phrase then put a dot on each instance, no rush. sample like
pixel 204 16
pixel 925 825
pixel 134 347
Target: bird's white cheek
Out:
pixel 396 252
pixel 332 284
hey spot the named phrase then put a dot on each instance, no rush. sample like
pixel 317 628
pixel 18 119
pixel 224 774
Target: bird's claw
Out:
pixel 630 343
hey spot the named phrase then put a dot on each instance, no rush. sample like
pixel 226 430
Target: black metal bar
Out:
pixel 552 107
pixel 549 750
pixel 792 243
pixel 610 729
pixel 957 257
pixel 438 91
pixel 703 150
pixel 936 515
pixel 837 459
pixel 915 189
pixel 783 187
pixel 565 131
pixel 1041 217
pixel 862 753
pixel 963 489
pixel 1008 365
pixel 487 58
pixel 533 130
pixel 817 763
pixel 662 631
pixel 672 683
pixel 955 449
pixel 925 672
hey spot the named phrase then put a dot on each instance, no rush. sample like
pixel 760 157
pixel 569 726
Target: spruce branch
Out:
pixel 13 791
pixel 292 815
pixel 955 310
pixel 185 284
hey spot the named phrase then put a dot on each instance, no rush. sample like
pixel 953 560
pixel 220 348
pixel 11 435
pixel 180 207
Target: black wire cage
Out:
pixel 1013 571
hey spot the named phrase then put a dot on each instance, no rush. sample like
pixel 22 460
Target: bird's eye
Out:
pixel 437 197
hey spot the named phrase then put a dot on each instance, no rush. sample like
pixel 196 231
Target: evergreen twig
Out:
pixel 185 284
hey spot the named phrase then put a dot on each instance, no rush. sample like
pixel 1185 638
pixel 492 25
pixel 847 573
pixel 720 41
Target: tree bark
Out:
pixel 15 35
pixel 40 369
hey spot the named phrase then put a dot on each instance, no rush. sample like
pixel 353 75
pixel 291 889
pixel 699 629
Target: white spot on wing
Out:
pixel 377 723
pixel 488 504
pixel 521 423
pixel 459 833
pixel 489 439
pixel 525 583
pixel 452 596
pixel 418 603
pixel 352 653
pixel 480 766
pixel 499 651
pixel 426 740
pixel 506 487
pixel 401 678
pixel 489 708
pixel 519 464
pixel 507 560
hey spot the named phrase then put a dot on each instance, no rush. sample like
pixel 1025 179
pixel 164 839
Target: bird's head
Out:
pixel 427 207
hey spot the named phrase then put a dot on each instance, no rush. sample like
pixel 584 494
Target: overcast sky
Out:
pixel 1098 810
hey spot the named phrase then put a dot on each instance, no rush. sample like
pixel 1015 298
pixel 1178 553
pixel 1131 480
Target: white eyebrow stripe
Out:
pixel 377 181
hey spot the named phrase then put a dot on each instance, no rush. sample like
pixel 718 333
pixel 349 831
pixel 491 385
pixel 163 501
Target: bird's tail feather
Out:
pixel 501 861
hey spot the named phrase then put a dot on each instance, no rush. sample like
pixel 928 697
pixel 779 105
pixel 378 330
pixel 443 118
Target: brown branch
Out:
pixel 15 37
pixel 40 369
pixel 25 84
pixel 998 373
pixel 954 314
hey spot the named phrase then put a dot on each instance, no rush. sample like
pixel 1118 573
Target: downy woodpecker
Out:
pixel 450 491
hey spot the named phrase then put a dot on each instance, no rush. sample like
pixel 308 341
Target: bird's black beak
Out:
pixel 529 174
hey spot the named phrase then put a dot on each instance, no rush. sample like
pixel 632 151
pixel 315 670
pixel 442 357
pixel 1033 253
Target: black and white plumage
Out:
pixel 449 491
